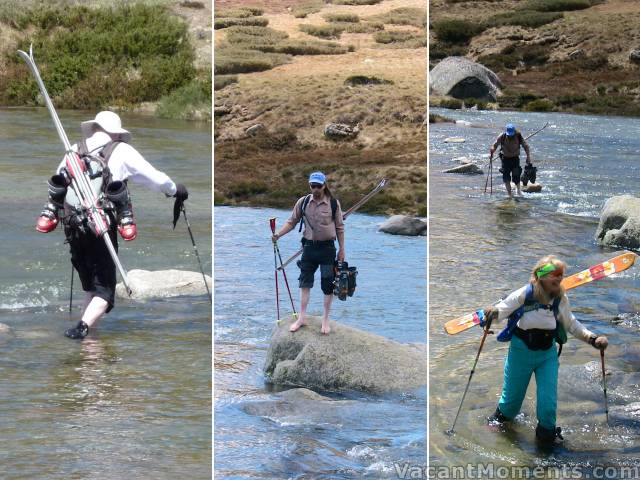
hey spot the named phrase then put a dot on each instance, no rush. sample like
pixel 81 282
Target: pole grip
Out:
pixel 272 224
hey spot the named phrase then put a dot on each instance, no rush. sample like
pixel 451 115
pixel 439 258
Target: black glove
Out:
pixel 181 195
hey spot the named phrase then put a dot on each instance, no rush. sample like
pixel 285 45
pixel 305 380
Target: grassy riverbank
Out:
pixel 283 73
pixel 551 55
pixel 139 56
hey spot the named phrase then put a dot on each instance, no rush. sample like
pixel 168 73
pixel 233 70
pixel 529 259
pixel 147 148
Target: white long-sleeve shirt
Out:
pixel 127 163
pixel 541 318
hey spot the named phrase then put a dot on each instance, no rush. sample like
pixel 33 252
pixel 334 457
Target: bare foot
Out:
pixel 295 326
pixel 325 329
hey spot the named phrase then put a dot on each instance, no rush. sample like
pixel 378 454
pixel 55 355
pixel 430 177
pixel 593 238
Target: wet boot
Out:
pixel 548 437
pixel 78 332
pixel 497 418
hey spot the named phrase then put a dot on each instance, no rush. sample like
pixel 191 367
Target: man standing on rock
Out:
pixel 321 216
pixel 111 161
pixel 510 142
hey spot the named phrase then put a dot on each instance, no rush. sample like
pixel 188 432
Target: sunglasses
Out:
pixel 316 185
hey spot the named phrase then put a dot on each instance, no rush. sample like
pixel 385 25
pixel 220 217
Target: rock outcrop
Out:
pixel 341 131
pixel 163 283
pixel 462 78
pixel 404 225
pixel 620 223
pixel 346 359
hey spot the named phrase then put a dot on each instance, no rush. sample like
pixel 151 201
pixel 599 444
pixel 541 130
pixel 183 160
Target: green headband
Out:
pixel 546 270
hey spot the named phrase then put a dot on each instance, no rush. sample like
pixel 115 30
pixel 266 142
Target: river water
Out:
pixel 133 401
pixel 352 436
pixel 482 247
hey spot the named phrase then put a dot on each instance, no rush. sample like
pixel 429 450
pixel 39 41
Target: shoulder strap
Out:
pixel 334 208
pixel 82 147
pixel 108 149
pixel 303 207
pixel 507 332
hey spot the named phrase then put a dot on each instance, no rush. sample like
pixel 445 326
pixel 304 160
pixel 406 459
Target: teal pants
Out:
pixel 521 363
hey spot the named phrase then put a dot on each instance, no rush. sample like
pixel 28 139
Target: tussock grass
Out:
pixel 219 23
pixel 342 17
pixel 416 17
pixel 523 18
pixel 221 81
pixel 242 12
pixel 359 80
pixel 355 2
pixel 401 39
pixel 555 5
pixel 304 9
pixel 250 37
pixel 455 31
pixel 237 60
pixel 302 47
pixel 322 31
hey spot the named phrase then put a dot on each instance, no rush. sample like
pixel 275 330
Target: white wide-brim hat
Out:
pixel 109 122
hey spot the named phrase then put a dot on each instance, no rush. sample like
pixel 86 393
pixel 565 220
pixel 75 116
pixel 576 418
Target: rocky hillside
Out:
pixel 569 55
pixel 312 85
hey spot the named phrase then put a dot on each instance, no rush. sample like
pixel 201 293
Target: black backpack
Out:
pixel 303 208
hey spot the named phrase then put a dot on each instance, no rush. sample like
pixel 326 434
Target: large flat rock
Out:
pixel 162 284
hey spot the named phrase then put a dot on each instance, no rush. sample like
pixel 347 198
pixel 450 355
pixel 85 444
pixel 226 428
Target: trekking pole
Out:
pixel 486 182
pixel 491 182
pixel 604 386
pixel 71 292
pixel 195 249
pixel 272 222
pixel 473 369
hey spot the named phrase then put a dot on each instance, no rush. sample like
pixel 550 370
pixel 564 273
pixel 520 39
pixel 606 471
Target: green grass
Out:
pixel 250 37
pixel 455 31
pixel 243 12
pixel 303 47
pixel 98 57
pixel 322 31
pixel 341 17
pixel 189 102
pixel 539 105
pixel 401 39
pixel 360 27
pixel 523 18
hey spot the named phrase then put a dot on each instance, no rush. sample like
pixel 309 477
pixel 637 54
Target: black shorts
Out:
pixel 314 256
pixel 91 259
pixel 511 170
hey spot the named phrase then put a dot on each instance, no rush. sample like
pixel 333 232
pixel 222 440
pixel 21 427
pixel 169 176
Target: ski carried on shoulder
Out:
pixel 363 200
pixel 80 181
pixel 601 270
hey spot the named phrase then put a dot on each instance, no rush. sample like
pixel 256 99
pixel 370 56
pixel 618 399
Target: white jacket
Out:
pixel 127 163
pixel 542 319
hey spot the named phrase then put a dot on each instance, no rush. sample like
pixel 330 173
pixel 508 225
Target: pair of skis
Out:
pixel 602 270
pixel 80 181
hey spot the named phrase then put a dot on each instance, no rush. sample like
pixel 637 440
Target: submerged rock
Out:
pixel 163 283
pixel 462 78
pixel 346 359
pixel 454 140
pixel 466 168
pixel 620 222
pixel 532 188
pixel 404 225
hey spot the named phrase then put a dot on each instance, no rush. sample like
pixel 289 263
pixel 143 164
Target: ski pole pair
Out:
pixel 276 257
pixel 486 332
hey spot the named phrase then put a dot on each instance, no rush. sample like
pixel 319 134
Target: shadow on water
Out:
pixel 497 241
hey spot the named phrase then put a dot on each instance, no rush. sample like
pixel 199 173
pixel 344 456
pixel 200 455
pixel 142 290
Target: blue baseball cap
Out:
pixel 510 129
pixel 317 177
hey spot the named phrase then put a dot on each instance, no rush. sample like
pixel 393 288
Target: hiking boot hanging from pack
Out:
pixel 344 284
pixel 48 219
pixel 118 195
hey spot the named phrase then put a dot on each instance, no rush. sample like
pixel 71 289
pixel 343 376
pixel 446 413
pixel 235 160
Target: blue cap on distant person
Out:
pixel 511 129
pixel 317 177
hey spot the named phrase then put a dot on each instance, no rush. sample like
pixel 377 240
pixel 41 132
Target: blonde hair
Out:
pixel 539 292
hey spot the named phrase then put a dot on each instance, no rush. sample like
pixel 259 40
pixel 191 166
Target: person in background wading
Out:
pixel 539 316
pixel 510 142
pixel 321 215
pixel 111 161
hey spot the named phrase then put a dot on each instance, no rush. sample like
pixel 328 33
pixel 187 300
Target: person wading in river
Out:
pixel 111 161
pixel 321 216
pixel 510 142
pixel 539 316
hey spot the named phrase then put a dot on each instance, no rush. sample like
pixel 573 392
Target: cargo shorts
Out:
pixel 314 255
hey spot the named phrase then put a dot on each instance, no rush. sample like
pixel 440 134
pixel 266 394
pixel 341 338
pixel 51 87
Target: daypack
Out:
pixel 504 135
pixel 97 164
pixel 303 208
pixel 530 304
